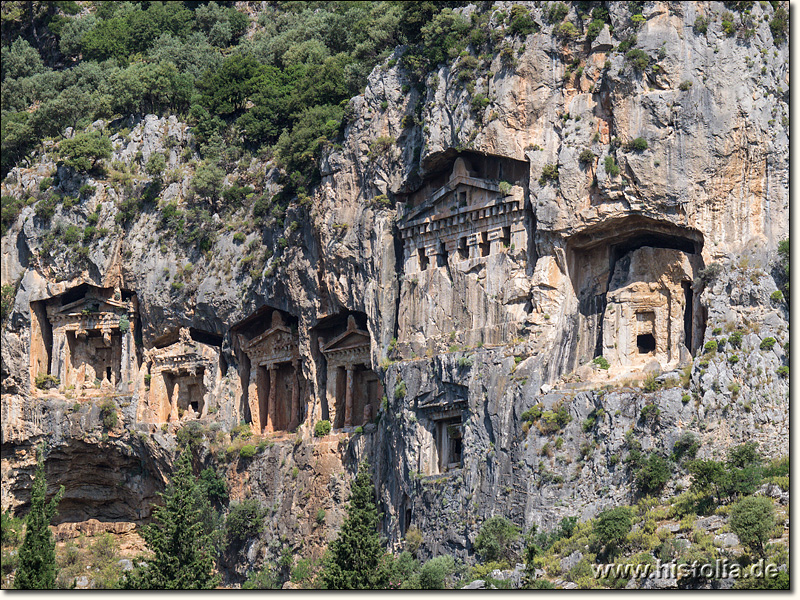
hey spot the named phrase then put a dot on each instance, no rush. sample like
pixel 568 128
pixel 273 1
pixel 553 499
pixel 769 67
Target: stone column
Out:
pixel 173 401
pixel 295 416
pixel 252 399
pixel 58 356
pixel 348 398
pixel 272 399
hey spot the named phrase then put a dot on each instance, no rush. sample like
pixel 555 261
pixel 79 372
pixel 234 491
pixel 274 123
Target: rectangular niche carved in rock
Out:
pixel 275 381
pixel 353 389
pixel 86 336
pixel 182 378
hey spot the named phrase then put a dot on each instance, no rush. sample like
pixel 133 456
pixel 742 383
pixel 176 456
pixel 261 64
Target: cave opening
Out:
pixel 613 267
pixel 484 244
pixel 645 343
pixel 463 252
pixel 423 259
pixel 441 256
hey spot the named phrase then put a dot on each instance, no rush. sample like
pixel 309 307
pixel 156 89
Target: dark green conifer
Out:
pixel 179 538
pixel 37 555
pixel 356 559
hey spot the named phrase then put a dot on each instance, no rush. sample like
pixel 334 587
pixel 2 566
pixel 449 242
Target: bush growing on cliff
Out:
pixel 47 382
pixel 611 527
pixel 83 151
pixel 752 520
pixel 108 413
pixel 322 428
pixel 653 475
pixel 612 168
pixel 549 173
pixel 496 539
pixel 245 520
pixel 37 555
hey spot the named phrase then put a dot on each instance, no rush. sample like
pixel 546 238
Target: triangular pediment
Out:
pixel 349 339
pixel 274 333
pixel 92 305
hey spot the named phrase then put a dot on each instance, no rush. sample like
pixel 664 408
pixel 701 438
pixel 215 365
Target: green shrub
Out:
pixel 653 475
pixel 83 151
pixel 735 339
pixel 638 58
pixel 156 165
pixel 776 296
pixel 321 516
pixel 47 382
pixel 555 12
pixel 267 578
pixel 435 572
pixel 45 184
pixel 767 343
pixel 701 24
pixel 322 428
pixel 495 539
pixel 686 446
pixel 400 390
pixel 779 24
pixel 782 371
pixel 638 145
pixel 586 156
pixel 685 86
pixel 549 173
pixel 752 520
pixel 11 530
pixel 710 346
pixel 601 362
pixel 612 526
pixel 532 414
pixel 521 21
pixel 612 168
pixel 650 384
pixel 685 398
pixel 247 451
pixel 594 29
pixel 108 413
pixel 245 520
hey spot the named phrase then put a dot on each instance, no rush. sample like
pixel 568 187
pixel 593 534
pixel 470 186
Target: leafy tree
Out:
pixel 245 520
pixel 179 538
pixel 37 555
pixel 82 151
pixel 496 539
pixel 355 558
pixel 612 526
pixel 20 60
pixel 753 519
pixel 435 572
pixel 207 180
pixel 653 475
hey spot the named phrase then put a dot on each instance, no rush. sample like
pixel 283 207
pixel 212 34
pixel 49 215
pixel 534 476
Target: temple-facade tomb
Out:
pixel 275 387
pixel 183 378
pixel 353 389
pixel 87 335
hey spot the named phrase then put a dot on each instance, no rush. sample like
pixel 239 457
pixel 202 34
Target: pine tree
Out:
pixel 356 559
pixel 37 555
pixel 179 538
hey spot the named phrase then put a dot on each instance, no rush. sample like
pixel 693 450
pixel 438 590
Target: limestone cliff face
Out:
pixel 476 307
